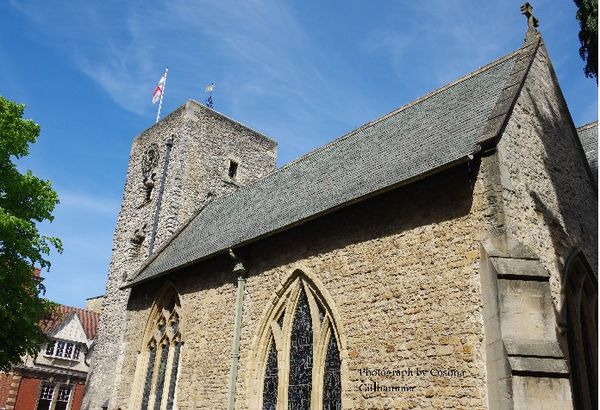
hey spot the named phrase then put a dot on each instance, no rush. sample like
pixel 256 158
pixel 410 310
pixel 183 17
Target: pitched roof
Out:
pixel 588 134
pixel 438 130
pixel 87 318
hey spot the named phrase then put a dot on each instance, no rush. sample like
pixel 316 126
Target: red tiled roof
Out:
pixel 88 319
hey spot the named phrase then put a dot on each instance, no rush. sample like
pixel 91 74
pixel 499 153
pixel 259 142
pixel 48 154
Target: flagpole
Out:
pixel 161 95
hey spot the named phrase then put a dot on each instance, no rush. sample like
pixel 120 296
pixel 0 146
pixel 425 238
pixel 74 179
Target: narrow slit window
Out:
pixel 233 167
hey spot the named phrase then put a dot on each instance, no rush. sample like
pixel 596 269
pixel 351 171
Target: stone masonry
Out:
pixel 204 146
pixel 402 276
pixel 452 280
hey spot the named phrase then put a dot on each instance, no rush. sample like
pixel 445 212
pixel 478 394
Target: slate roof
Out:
pixel 89 320
pixel 430 134
pixel 588 134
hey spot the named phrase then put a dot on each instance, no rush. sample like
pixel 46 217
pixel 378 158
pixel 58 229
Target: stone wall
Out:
pixel 401 270
pixel 195 169
pixel 546 208
pixel 549 200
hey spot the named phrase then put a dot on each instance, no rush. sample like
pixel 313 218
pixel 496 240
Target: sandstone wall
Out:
pixel 401 271
pixel 192 174
pixel 548 196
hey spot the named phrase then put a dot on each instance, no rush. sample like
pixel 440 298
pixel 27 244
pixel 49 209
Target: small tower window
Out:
pixel 233 167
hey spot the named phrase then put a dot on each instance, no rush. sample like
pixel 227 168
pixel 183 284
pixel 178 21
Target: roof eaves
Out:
pixel 424 175
pixel 152 257
pixel 400 109
pixel 498 119
pixel 588 126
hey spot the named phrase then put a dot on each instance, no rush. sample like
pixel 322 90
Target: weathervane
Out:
pixel 527 11
pixel 209 89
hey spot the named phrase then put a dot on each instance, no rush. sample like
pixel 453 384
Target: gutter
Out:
pixel 241 270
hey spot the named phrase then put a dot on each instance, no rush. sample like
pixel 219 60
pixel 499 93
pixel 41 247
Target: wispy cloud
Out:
pixel 448 39
pixel 126 53
pixel 88 203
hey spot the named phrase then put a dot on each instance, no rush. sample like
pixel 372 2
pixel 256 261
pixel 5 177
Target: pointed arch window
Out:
pixel 161 355
pixel 581 297
pixel 302 367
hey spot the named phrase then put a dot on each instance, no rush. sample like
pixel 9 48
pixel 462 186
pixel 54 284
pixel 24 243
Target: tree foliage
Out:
pixel 24 201
pixel 587 14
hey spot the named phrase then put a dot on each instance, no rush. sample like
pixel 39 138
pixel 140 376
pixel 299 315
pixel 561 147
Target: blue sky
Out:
pixel 301 72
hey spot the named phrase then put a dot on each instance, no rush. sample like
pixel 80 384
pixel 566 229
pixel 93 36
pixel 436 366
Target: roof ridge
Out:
pixel 76 308
pixel 400 109
pixel 505 64
pixel 364 126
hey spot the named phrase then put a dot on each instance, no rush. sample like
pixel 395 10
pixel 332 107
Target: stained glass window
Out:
pixel 148 380
pixel 173 380
pixel 321 312
pixel 160 381
pixel 271 379
pixel 303 323
pixel 301 357
pixel 165 349
pixel 332 386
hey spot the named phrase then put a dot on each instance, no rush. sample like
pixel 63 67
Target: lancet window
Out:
pixel 581 294
pixel 160 362
pixel 302 367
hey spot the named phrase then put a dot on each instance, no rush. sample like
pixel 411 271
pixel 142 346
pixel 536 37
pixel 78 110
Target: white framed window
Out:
pixel 45 399
pixel 63 349
pixel 50 349
pixel 62 401
pixel 59 350
pixel 54 397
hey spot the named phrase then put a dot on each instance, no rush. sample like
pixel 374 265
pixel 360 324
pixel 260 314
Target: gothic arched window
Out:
pixel 159 359
pixel 581 296
pixel 302 366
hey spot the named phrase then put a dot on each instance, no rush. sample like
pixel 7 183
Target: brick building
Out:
pixel 441 256
pixel 55 378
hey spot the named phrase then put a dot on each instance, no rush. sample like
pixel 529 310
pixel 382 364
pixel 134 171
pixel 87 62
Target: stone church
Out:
pixel 441 256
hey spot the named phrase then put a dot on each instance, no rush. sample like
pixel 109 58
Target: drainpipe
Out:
pixel 169 144
pixel 240 270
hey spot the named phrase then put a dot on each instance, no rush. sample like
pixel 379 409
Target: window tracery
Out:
pixel 302 366
pixel 162 354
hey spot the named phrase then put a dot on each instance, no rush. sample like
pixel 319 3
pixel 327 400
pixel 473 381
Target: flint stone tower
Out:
pixel 175 168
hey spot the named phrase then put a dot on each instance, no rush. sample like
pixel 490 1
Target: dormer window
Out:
pixel 63 349
pixel 233 167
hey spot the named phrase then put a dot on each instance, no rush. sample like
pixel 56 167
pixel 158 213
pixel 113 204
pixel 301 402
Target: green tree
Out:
pixel 24 201
pixel 587 14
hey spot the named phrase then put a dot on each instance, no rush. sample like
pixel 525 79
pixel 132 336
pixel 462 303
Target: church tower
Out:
pixel 175 167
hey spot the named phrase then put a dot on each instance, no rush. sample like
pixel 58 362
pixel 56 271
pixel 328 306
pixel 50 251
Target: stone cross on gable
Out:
pixel 527 11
